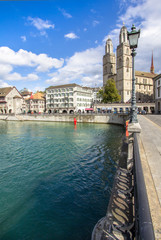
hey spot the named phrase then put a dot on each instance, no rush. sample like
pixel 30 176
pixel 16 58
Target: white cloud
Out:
pixel 42 62
pixel 3 84
pixel 95 23
pixel 18 77
pixel 71 35
pixel 23 38
pixel 65 14
pixel 145 15
pixel 34 64
pixel 83 68
pixel 41 25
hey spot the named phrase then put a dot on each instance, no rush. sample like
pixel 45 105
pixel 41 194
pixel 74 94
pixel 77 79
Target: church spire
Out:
pixel 152 65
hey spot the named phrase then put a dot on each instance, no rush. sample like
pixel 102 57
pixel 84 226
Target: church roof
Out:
pixel 109 39
pixel 145 74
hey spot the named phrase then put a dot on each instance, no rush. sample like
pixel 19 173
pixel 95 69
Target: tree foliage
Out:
pixel 110 92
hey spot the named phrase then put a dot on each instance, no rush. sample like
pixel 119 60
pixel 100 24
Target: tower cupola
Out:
pixel 109 46
pixel 123 35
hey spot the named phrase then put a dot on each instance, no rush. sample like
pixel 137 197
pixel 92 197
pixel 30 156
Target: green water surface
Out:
pixel 55 179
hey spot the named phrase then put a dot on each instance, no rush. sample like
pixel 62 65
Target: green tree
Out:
pixel 110 92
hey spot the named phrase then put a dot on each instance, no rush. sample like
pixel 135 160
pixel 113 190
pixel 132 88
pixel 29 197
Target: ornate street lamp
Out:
pixel 133 41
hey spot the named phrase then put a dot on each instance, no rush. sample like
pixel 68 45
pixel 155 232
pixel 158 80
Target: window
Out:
pixel 119 62
pixel 144 81
pixel 158 82
pixel 159 92
pixel 108 48
pixel 124 37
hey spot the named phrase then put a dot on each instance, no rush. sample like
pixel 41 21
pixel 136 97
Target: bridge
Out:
pixel 134 210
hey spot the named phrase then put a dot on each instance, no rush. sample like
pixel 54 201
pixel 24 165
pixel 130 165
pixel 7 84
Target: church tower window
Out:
pixel 119 62
pixel 108 48
pixel 111 68
pixel 105 69
pixel 123 37
pixel 127 64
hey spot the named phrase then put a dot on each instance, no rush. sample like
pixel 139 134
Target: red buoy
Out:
pixel 75 121
pixel 127 133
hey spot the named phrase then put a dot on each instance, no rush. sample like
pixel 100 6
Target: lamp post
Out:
pixel 133 41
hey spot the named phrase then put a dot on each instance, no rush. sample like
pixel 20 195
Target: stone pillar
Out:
pixel 132 128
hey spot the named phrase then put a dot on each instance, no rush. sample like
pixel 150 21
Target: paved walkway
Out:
pixel 150 151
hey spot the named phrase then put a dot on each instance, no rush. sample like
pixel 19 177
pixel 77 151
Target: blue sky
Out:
pixel 53 42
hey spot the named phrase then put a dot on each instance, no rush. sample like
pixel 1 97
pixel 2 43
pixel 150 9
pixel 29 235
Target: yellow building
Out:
pixel 36 103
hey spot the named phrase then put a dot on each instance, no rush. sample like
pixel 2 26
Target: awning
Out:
pixel 88 109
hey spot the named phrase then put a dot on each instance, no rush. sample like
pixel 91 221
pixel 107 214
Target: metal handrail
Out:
pixel 144 226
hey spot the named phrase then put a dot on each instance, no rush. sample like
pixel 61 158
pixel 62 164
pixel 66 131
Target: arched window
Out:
pixel 111 68
pixel 108 48
pixel 119 62
pixel 105 69
pixel 123 37
pixel 127 64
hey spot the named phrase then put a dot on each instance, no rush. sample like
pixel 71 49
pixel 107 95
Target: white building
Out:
pixel 157 93
pixel 11 101
pixel 69 98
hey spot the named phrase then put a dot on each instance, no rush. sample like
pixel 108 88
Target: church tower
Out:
pixel 109 62
pixel 124 67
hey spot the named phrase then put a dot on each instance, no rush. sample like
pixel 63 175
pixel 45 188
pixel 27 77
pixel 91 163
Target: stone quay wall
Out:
pixel 111 118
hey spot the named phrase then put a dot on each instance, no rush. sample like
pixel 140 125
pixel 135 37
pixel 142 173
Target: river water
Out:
pixel 55 179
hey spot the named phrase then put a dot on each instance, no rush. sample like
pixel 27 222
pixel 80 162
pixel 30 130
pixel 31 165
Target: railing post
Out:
pixel 132 128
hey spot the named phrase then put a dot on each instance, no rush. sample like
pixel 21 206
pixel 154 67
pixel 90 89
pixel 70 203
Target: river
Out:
pixel 55 179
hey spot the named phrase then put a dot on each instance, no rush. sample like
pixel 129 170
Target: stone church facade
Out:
pixel 119 67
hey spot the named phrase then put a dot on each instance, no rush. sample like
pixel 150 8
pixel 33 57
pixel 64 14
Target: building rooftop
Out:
pixel 5 91
pixel 145 74
pixel 67 85
pixel 38 96
pixel 62 86
pixel 157 77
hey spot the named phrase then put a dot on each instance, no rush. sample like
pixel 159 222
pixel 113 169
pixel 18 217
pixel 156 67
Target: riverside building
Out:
pixel 11 101
pixel 157 92
pixel 36 103
pixel 69 98
pixel 119 67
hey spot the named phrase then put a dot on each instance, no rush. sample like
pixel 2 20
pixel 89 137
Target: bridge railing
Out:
pixel 143 221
